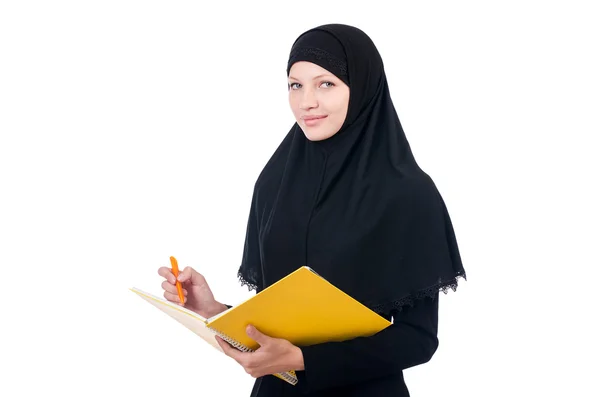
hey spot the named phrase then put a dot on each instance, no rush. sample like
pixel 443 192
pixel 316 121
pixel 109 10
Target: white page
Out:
pixel 193 321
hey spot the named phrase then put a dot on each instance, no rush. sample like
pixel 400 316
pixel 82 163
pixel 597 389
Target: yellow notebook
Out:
pixel 302 307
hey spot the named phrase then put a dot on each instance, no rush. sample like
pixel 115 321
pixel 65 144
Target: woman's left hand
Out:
pixel 274 355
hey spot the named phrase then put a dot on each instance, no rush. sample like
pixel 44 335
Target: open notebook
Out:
pixel 302 307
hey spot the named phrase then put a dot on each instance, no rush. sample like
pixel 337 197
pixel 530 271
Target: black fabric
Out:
pixel 364 367
pixel 355 207
pixel 359 210
pixel 323 49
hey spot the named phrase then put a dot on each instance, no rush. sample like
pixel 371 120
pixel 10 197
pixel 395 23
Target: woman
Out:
pixel 343 195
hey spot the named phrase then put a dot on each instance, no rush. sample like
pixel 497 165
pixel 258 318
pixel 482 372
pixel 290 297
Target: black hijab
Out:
pixel 355 207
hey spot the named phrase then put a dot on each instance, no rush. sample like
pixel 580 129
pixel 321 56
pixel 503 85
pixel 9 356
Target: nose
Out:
pixel 309 100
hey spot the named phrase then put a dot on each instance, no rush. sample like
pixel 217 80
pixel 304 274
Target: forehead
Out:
pixel 308 70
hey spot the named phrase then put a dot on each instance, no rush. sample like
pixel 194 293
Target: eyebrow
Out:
pixel 314 78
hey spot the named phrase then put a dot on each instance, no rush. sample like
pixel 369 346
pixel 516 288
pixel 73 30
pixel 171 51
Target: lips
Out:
pixel 308 118
pixel 312 121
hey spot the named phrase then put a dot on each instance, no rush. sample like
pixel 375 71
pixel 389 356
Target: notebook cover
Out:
pixel 303 308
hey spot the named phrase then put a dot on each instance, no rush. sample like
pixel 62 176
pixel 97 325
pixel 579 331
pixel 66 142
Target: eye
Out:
pixel 294 86
pixel 328 82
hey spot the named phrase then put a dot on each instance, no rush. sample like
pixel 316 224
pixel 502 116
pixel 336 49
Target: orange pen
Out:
pixel 175 270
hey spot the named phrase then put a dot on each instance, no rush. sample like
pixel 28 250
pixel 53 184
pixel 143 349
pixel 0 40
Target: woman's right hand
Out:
pixel 197 294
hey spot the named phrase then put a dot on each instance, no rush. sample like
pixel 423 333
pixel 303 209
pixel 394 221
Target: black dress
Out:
pixel 369 366
pixel 358 209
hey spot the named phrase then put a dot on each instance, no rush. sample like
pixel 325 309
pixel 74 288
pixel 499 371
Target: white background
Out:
pixel 134 130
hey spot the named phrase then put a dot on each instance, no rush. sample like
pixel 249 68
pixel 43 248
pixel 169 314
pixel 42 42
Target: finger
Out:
pixel 224 345
pixel 167 286
pixel 258 336
pixel 174 297
pixel 220 343
pixel 230 350
pixel 167 273
pixel 189 274
pixel 185 274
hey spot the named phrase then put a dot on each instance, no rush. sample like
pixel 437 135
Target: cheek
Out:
pixel 340 112
pixel 294 106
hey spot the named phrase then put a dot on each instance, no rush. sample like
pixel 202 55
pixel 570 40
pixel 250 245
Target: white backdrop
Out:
pixel 134 130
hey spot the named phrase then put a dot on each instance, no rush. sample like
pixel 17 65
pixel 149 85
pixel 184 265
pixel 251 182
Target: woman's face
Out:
pixel 318 99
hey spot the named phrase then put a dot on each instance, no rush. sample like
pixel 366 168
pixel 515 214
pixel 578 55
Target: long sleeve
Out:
pixel 411 340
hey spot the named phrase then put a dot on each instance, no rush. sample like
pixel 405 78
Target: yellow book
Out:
pixel 302 307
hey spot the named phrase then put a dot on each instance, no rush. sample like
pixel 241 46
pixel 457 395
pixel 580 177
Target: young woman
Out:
pixel 344 195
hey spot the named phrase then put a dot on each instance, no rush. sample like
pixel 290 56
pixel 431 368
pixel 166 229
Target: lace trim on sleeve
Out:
pixel 409 300
pixel 251 285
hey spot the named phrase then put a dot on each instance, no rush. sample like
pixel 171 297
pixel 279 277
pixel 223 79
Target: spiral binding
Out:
pixel 288 376
pixel 232 341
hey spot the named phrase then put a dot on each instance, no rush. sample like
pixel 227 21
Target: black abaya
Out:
pixel 359 210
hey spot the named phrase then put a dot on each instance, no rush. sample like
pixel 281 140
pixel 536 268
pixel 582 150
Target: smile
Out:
pixel 313 120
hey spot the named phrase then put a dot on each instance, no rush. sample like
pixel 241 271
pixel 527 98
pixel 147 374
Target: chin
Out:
pixel 316 136
pixel 313 138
